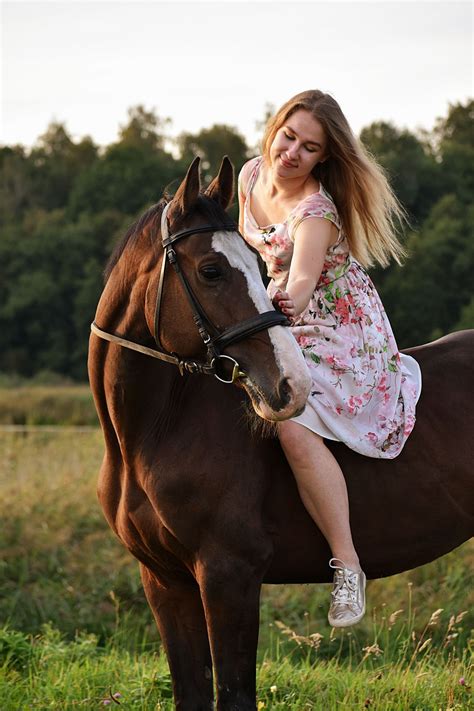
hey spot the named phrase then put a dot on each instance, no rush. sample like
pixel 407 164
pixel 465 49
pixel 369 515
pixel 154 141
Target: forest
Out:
pixel 65 202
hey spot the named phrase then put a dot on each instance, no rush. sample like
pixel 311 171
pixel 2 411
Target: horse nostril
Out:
pixel 284 391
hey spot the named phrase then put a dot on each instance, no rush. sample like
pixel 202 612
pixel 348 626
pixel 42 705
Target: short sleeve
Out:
pixel 314 206
pixel 245 175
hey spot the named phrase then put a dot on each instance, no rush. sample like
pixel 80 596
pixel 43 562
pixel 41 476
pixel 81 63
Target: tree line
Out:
pixel 64 203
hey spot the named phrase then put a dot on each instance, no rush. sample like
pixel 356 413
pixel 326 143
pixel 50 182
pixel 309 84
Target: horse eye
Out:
pixel 210 273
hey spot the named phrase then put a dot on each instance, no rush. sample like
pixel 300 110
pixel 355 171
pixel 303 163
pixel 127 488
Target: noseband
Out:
pixel 214 343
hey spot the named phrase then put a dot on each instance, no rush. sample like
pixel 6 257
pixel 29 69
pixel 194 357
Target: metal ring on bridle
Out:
pixel 236 372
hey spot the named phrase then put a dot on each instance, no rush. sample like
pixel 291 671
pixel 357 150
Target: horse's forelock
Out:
pixel 204 207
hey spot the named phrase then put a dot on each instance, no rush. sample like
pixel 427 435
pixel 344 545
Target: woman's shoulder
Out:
pixel 246 173
pixel 318 204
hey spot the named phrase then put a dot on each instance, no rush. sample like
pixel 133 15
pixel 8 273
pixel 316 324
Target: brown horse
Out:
pixel 212 511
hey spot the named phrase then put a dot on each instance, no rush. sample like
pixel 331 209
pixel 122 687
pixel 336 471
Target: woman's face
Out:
pixel 298 146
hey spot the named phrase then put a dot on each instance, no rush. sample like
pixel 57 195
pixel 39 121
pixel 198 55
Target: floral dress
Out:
pixel 364 391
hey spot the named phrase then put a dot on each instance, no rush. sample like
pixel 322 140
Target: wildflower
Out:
pixel 106 702
pixel 273 689
pixel 117 695
pixel 462 681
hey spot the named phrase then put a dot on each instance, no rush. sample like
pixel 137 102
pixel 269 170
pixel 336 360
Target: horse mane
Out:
pixel 151 221
pixel 150 218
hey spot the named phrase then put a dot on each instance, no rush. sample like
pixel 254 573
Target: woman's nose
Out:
pixel 292 150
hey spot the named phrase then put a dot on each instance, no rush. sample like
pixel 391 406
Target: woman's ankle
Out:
pixel 350 561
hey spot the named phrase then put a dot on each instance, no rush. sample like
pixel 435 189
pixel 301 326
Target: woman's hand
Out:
pixel 283 301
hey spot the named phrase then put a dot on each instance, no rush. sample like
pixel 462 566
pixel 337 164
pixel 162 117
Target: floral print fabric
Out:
pixel 364 391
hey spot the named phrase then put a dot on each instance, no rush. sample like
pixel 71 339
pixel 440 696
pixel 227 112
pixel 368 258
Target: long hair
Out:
pixel 368 208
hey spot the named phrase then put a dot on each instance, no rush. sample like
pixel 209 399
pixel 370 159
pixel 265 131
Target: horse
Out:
pixel 209 507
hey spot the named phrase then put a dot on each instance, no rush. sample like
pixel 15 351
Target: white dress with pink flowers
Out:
pixel 364 391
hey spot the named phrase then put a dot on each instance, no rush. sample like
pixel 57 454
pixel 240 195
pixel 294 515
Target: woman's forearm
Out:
pixel 300 291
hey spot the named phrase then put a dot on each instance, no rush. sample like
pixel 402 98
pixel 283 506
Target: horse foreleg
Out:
pixel 231 596
pixel 180 619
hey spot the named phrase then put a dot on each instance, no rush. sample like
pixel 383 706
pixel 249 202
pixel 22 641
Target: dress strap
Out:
pixel 254 174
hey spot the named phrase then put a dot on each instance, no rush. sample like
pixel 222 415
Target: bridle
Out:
pixel 214 343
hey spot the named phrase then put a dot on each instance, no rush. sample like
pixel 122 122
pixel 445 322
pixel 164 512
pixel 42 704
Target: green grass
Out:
pixel 76 624
pixel 47 672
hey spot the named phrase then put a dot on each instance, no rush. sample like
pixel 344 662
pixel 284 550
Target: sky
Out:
pixel 85 62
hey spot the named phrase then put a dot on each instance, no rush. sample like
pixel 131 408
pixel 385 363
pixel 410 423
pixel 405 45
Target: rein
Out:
pixel 214 344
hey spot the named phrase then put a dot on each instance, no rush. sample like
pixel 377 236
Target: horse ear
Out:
pixel 222 187
pixel 188 192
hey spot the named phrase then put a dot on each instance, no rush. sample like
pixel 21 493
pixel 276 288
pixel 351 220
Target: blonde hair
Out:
pixel 367 206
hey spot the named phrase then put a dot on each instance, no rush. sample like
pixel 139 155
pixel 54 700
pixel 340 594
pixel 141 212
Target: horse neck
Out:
pixel 133 392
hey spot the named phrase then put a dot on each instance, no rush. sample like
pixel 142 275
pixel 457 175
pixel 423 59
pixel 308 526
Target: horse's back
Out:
pixel 404 511
pixel 447 367
pixel 455 350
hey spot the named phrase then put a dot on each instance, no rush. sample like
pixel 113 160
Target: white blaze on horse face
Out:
pixel 288 355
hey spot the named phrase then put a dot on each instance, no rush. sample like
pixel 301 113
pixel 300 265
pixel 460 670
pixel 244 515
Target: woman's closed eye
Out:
pixel 310 149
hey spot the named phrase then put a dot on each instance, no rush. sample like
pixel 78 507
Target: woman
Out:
pixel 319 209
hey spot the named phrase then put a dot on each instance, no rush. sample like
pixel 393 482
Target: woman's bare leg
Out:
pixel 322 488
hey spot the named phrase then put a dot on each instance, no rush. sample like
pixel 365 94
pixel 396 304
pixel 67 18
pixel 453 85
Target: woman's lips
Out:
pixel 286 163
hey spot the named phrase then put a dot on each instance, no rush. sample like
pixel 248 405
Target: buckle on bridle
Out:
pixel 236 372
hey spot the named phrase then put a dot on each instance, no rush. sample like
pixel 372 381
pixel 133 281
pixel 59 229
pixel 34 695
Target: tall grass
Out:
pixel 77 627
pixel 43 404
pixel 48 672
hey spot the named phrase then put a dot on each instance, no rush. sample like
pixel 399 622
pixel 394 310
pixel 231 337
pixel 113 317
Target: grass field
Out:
pixel 75 628
pixel 64 404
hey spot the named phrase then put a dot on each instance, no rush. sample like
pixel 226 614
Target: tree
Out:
pixel 56 161
pixel 126 178
pixel 132 173
pixel 15 183
pixel 411 167
pixel 426 297
pixel 144 130
pixel 212 144
pixel 454 144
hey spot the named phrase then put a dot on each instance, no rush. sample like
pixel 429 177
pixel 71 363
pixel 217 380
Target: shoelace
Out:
pixel 346 585
pixel 345 589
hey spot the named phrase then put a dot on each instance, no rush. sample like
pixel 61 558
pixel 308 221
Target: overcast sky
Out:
pixel 199 63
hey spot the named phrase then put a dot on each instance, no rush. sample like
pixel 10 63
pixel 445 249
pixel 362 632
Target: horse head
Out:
pixel 212 304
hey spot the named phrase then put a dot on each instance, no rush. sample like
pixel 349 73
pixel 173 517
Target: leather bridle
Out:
pixel 214 343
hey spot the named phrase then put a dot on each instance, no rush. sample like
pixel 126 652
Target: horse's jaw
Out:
pixel 286 396
pixel 266 412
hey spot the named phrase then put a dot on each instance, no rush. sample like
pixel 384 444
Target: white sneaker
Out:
pixel 348 595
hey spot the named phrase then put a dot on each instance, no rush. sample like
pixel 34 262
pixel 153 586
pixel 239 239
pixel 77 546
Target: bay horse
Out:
pixel 211 510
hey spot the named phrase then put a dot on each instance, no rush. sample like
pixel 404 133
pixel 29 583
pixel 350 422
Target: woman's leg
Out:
pixel 323 491
pixel 322 488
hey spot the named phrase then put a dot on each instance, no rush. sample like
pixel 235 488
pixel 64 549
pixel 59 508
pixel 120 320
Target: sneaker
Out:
pixel 348 595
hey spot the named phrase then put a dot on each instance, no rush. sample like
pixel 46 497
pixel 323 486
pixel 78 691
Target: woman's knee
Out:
pixel 297 439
